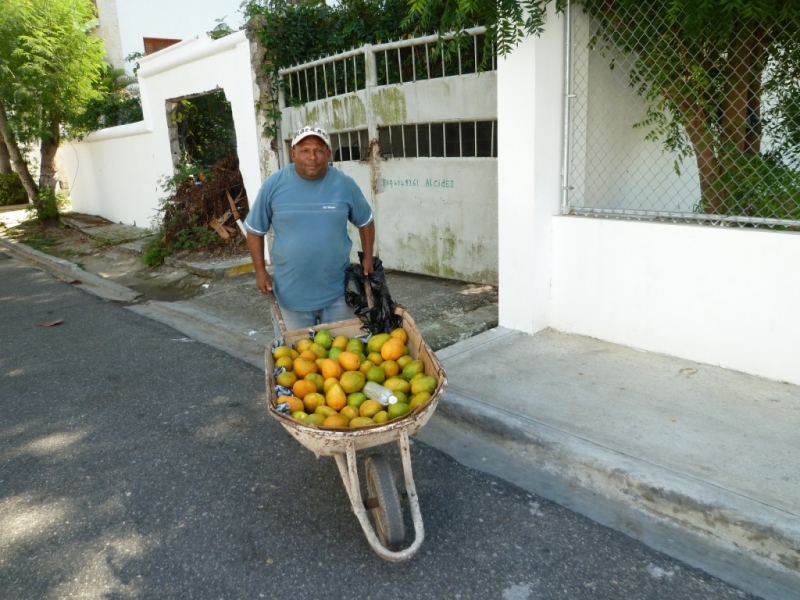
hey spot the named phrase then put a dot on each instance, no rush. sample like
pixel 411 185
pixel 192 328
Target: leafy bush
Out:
pixel 758 185
pixel 11 190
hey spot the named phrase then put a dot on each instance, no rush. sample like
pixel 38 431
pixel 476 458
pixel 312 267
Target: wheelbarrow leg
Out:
pixel 348 470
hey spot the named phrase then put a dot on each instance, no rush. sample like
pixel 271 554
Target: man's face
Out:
pixel 311 156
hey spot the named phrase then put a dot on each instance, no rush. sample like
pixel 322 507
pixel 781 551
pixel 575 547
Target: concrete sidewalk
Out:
pixel 696 461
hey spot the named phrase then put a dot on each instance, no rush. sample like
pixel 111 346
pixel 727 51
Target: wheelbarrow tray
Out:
pixel 333 441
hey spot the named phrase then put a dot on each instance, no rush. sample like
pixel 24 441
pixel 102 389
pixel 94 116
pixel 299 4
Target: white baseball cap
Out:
pixel 304 132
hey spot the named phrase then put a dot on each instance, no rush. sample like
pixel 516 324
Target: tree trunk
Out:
pixel 701 135
pixel 48 175
pixel 17 162
pixel 5 159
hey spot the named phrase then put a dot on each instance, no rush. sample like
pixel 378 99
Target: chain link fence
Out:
pixel 683 115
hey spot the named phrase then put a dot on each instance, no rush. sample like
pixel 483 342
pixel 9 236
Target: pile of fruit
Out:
pixel 326 376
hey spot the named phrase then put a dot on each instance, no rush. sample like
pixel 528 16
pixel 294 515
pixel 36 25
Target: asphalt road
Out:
pixel 137 464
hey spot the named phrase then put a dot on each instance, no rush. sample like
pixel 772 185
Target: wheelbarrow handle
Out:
pixel 276 310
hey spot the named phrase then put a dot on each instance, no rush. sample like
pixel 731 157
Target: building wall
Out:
pixel 110 32
pixel 116 172
pixel 724 296
pixel 718 295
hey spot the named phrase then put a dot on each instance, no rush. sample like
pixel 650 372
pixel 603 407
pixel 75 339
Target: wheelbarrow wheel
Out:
pixel 388 515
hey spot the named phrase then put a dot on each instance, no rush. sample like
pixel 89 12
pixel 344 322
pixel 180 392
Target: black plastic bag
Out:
pixel 380 318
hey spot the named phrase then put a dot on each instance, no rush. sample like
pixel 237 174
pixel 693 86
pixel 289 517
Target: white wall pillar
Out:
pixel 530 88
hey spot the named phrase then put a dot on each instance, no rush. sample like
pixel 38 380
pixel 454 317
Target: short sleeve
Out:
pixel 259 218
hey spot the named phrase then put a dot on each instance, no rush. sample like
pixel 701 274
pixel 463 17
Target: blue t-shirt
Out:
pixel 311 248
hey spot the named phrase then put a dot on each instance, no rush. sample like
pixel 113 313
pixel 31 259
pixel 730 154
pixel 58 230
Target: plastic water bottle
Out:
pixel 376 391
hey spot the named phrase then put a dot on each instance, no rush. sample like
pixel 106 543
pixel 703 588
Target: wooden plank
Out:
pixel 233 206
pixel 215 225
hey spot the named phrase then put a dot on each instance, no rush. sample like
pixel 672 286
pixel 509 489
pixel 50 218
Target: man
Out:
pixel 308 206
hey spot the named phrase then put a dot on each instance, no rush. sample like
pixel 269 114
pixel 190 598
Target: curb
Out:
pixel 91 283
pixel 747 543
pixel 207 329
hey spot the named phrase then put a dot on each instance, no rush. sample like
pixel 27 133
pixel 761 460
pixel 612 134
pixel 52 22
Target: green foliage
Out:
pixel 11 190
pixel 49 64
pixel 47 206
pixel 186 232
pixel 206 131
pixel 221 29
pixel 293 33
pixel 155 250
pixel 116 105
pixel 758 185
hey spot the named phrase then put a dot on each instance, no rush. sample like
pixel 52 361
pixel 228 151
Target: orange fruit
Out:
pixel 392 349
pixel 319 350
pixel 376 341
pixel 361 422
pixel 349 361
pixel 312 401
pixel 303 344
pixel 403 361
pixel 399 333
pixel 375 358
pixel 326 385
pixel 309 355
pixel 426 383
pixel 335 397
pixel 366 366
pixel 370 408
pixel 351 412
pixel 285 362
pixel 352 381
pixel 340 341
pixel 330 368
pixel 376 374
pixel 419 399
pixel 317 379
pixel 281 351
pixel 302 387
pixel 325 411
pixel 303 366
pixel 390 367
pixel 398 410
pixel 316 419
pixel 336 420
pixel 295 404
pixel 286 379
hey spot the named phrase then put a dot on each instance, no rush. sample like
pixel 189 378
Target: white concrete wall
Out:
pixel 723 296
pixel 112 174
pixel 529 97
pixel 115 173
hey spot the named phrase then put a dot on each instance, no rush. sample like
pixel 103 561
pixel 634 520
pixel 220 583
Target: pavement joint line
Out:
pixel 477 341
pixel 525 418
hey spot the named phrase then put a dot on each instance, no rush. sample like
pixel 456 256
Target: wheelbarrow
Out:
pixel 385 530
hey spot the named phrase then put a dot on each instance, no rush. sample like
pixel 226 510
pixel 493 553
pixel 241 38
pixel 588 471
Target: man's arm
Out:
pixel 367 235
pixel 255 243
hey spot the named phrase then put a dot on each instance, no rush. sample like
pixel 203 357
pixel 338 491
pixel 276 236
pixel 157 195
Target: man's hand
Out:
pixel 255 244
pixel 366 264
pixel 263 281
